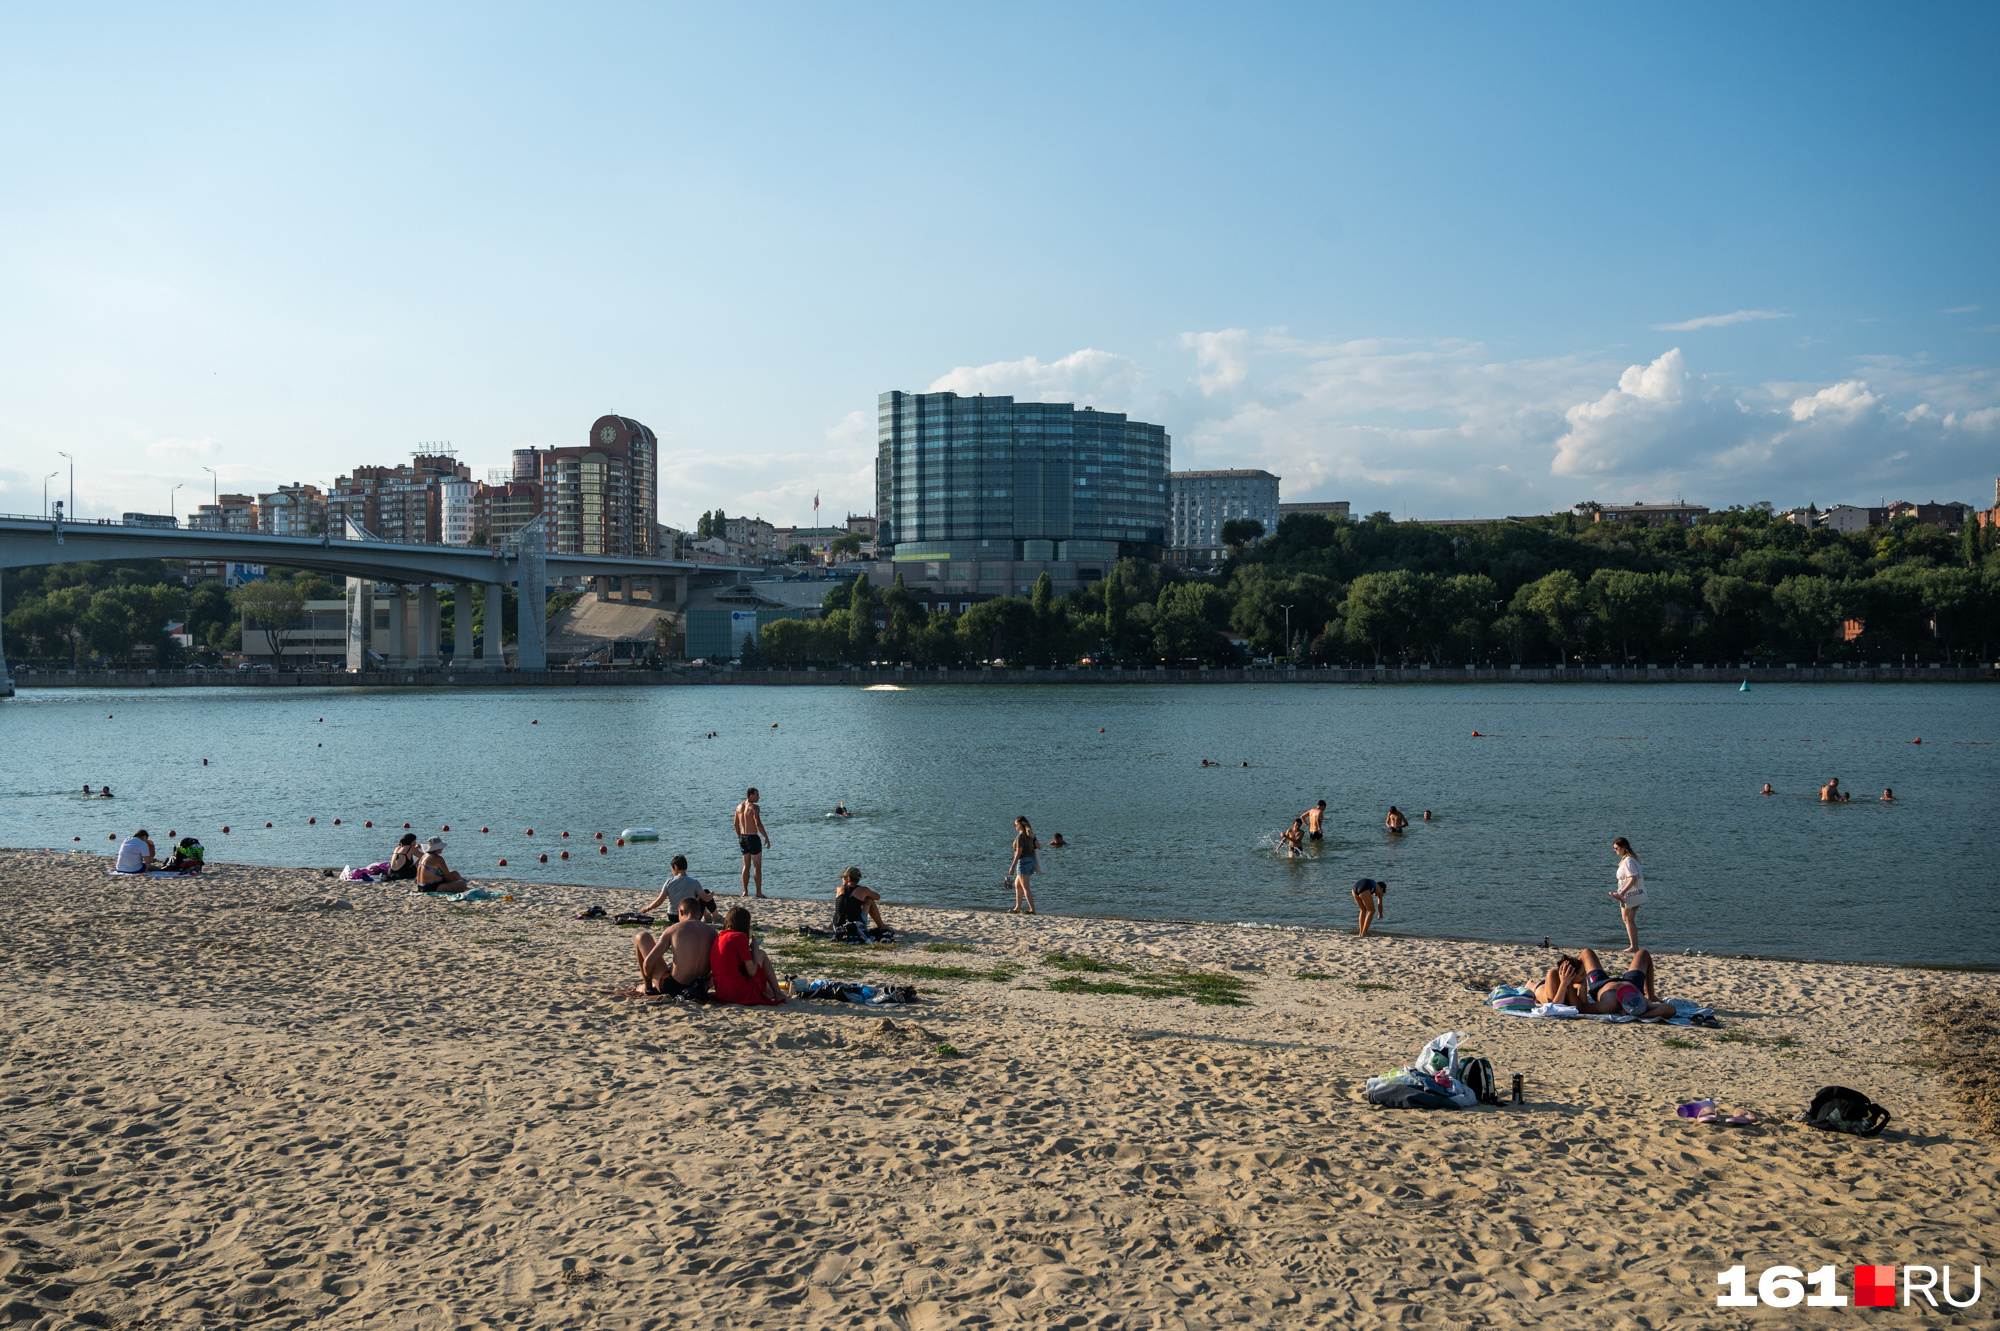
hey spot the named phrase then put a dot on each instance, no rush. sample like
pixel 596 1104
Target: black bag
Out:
pixel 1477 1074
pixel 1838 1109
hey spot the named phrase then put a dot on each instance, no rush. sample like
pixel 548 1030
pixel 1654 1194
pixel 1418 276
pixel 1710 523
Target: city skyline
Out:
pixel 1442 265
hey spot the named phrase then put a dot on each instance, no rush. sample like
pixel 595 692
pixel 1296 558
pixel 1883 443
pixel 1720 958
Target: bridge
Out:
pixel 412 571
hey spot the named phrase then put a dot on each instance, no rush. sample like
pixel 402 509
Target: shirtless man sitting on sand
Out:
pixel 676 963
pixel 1631 993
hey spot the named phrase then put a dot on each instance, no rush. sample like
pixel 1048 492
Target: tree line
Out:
pixel 1738 585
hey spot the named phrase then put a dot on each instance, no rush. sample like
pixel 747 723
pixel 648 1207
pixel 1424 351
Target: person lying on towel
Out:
pixel 1631 993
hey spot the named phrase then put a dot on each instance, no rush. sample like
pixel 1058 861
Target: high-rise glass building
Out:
pixel 992 478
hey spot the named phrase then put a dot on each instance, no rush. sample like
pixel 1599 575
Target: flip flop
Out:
pixel 1742 1118
pixel 1698 1110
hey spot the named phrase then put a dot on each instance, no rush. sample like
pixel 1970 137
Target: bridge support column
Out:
pixel 427 628
pixel 6 680
pixel 496 652
pixel 360 623
pixel 461 627
pixel 531 650
pixel 397 653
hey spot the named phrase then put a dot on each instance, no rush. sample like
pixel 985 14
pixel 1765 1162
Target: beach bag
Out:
pixel 1510 998
pixel 1838 1109
pixel 1441 1054
pixel 1477 1075
pixel 1407 1089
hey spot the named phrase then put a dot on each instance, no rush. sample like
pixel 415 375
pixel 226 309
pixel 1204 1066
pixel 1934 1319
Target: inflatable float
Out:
pixel 640 834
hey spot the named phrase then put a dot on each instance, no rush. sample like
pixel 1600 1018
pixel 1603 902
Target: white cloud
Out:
pixel 1961 309
pixel 180 450
pixel 778 486
pixel 1221 358
pixel 1844 400
pixel 1720 320
pixel 1087 377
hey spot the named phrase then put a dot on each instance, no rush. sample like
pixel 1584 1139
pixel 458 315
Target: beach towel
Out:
pixel 469 894
pixel 147 873
pixel 1511 998
pixel 1685 1012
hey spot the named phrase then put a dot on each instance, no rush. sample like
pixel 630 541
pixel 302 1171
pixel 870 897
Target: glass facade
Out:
pixel 991 478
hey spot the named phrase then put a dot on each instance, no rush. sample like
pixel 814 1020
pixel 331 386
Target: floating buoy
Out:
pixel 774 725
pixel 1475 734
pixel 406 824
pixel 110 836
pixel 225 829
pixel 598 835
pixel 447 827
pixel 565 854
pixel 621 841
pixel 1918 740
pixel 76 838
pixel 1100 730
pixel 604 850
pixel 534 723
pixel 204 762
pixel 369 823
pixel 503 864
pixel 171 832
pixel 267 824
pixel 531 831
pixel 319 746
pixel 336 823
pixel 565 834
pixel 482 829
pixel 309 822
pixel 322 720
pixel 545 859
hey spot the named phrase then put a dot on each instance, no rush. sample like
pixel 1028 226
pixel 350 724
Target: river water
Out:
pixel 1519 847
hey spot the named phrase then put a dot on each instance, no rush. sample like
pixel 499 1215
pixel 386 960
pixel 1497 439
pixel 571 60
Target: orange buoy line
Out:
pixel 565 854
pixel 603 850
pixel 503 864
pixel 545 859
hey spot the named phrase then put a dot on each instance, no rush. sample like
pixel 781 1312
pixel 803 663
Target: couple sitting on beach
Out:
pixel 689 958
pixel 1582 983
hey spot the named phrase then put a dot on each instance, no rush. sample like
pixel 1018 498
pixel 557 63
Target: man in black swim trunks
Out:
pixel 751 839
pixel 676 963
pixel 1631 994
pixel 1315 822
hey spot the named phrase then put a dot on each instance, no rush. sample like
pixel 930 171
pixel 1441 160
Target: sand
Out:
pixel 264 1097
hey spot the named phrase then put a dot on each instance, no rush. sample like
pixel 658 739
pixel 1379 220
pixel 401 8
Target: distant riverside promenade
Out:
pixel 912 676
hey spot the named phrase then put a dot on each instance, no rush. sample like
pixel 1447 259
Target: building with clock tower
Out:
pixel 602 498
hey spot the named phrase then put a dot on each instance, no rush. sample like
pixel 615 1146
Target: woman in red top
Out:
pixel 740 970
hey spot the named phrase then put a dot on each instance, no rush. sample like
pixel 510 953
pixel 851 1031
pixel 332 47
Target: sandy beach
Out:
pixel 264 1097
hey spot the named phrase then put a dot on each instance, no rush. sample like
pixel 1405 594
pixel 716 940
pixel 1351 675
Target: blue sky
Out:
pixel 1448 261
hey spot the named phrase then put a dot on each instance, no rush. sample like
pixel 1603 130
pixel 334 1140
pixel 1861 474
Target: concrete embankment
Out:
pixel 694 675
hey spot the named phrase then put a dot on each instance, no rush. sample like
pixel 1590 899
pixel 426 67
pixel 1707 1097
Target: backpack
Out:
pixel 1477 1074
pixel 1837 1109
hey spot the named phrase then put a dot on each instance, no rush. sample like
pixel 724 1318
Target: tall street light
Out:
pixel 45 489
pixel 170 500
pixel 215 487
pixel 70 512
pixel 1288 630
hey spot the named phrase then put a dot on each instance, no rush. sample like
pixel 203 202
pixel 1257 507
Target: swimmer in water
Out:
pixel 1395 822
pixel 1315 820
pixel 1057 840
pixel 1888 796
pixel 1427 815
pixel 840 811
pixel 104 792
pixel 1830 792
pixel 86 790
pixel 1289 840
pixel 1767 789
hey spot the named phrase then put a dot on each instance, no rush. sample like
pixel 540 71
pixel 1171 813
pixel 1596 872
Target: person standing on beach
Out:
pixel 1025 864
pixel 1631 893
pixel 751 839
pixel 1315 822
pixel 1368 896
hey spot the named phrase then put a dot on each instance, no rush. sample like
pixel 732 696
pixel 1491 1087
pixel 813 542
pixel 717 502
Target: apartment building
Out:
pixel 402 503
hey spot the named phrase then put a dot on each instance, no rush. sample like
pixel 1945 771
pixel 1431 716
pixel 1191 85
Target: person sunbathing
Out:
pixel 1631 994
pixel 1563 984
pixel 403 859
pixel 675 964
pixel 739 969
pixel 433 874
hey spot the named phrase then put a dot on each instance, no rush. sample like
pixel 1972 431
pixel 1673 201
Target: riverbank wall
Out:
pixel 912 676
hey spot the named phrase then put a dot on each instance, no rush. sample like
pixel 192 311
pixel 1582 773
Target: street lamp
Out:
pixel 1288 630
pixel 45 489
pixel 176 489
pixel 71 510
pixel 215 487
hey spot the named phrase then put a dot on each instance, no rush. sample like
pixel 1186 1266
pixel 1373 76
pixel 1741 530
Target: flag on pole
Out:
pixel 815 506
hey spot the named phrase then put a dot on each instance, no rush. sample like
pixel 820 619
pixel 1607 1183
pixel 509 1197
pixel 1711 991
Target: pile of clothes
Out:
pixel 840 991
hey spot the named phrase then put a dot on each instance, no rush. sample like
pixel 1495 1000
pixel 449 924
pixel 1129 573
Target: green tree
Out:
pixel 1554 603
pixel 798 553
pixel 1383 611
pixel 270 606
pixel 1810 610
pixel 861 621
pixel 1239 532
